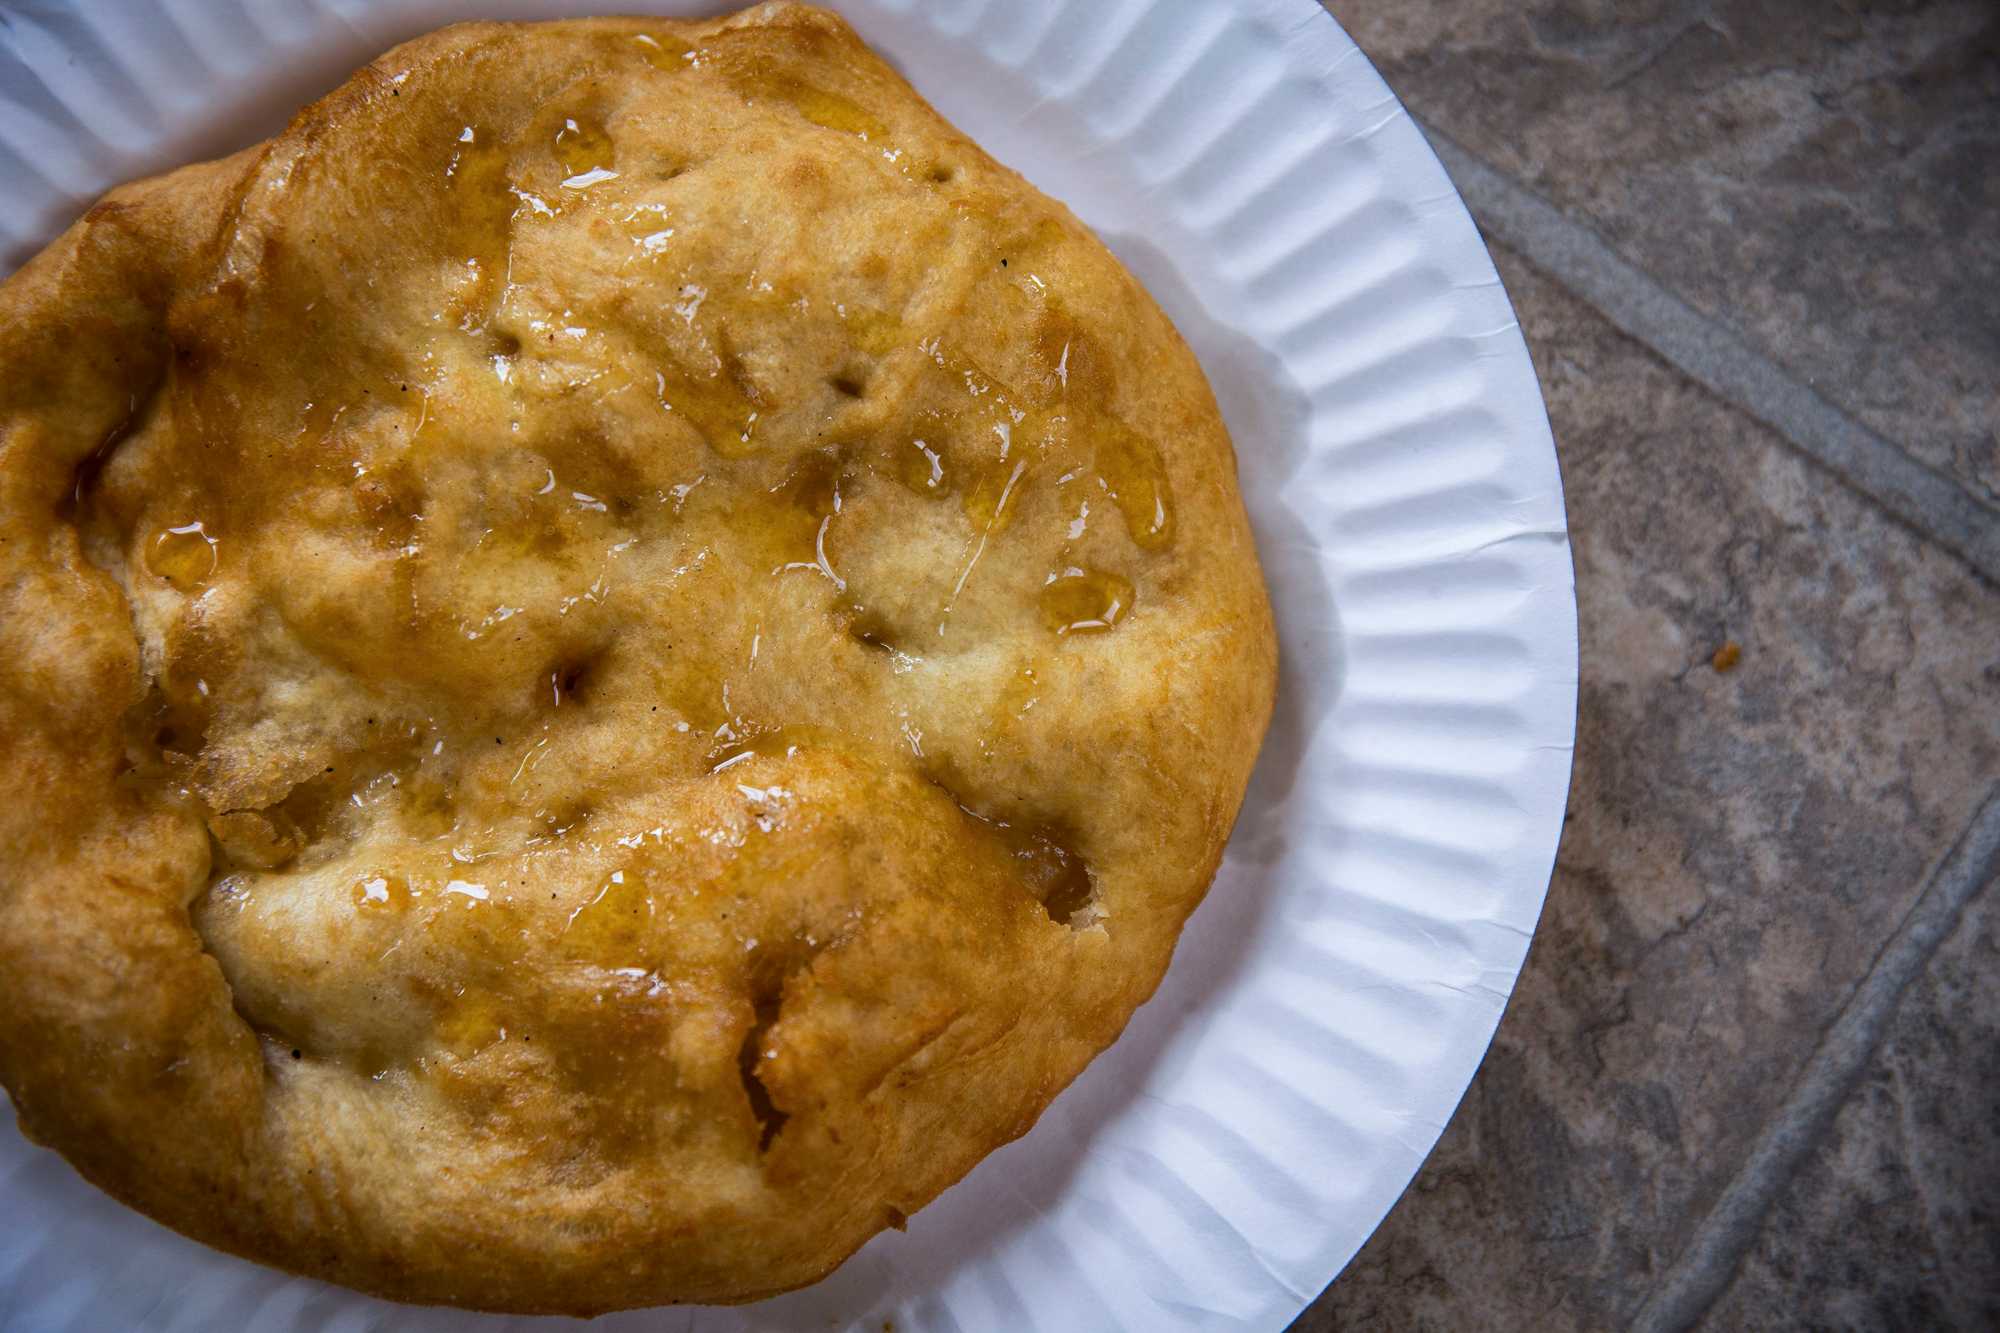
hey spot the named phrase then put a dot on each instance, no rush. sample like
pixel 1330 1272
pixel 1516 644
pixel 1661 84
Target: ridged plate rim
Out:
pixel 1333 997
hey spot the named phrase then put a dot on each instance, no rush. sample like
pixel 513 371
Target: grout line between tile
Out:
pixel 1708 1265
pixel 1936 507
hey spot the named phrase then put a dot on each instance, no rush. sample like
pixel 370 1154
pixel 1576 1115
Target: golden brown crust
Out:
pixel 619 655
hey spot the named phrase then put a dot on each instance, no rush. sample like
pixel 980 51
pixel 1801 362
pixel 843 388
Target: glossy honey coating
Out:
pixel 618 655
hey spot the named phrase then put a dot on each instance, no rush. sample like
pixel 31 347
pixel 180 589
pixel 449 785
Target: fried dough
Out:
pixel 618 655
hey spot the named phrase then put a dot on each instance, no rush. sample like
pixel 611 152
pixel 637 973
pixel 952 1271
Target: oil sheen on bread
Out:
pixel 618 655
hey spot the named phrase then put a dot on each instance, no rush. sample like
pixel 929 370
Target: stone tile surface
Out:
pixel 1895 1221
pixel 1738 846
pixel 1823 175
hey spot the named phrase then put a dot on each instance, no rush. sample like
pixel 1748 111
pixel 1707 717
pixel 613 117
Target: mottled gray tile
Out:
pixel 1895 1221
pixel 1738 846
pixel 1822 177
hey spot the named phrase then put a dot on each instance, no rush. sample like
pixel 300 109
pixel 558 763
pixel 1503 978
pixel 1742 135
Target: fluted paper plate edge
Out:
pixel 1333 997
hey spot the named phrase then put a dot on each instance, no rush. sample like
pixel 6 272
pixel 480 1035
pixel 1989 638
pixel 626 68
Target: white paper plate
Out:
pixel 1332 998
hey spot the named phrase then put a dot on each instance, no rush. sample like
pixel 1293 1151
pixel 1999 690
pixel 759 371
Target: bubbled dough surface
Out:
pixel 604 699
